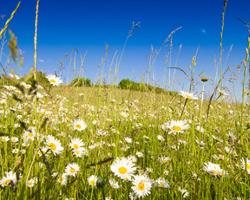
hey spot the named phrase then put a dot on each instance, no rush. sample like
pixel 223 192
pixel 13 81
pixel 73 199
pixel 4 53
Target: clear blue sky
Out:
pixel 89 25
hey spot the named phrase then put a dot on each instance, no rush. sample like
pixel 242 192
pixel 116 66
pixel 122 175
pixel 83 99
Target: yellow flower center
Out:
pixel 248 166
pixel 53 81
pixel 176 128
pixel 141 186
pixel 161 184
pixel 52 146
pixel 78 126
pixel 92 182
pixel 30 134
pixel 214 172
pixel 7 182
pixel 72 170
pixel 122 170
pixel 75 146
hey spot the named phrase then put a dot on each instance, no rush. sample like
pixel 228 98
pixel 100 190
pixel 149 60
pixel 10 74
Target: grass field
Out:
pixel 123 134
pixel 69 141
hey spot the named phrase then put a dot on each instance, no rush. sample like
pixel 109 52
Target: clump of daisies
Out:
pixel 141 185
pixel 54 145
pixel 214 169
pixel 54 80
pixel 79 125
pixel 123 168
pixel 175 127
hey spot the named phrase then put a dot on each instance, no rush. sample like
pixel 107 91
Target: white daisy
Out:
pixel 8 179
pixel 54 145
pixel 124 168
pixel 162 183
pixel 79 125
pixel 72 169
pixel 92 180
pixel 213 169
pixel 176 126
pixel 76 143
pixel 80 152
pixel 188 95
pixel 54 80
pixel 141 186
pixel 114 184
pixel 62 179
pixel 31 183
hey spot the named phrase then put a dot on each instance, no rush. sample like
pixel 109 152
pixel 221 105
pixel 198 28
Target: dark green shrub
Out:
pixel 81 82
pixel 143 87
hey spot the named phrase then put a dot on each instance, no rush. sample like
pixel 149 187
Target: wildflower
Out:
pixel 141 186
pixel 72 169
pixel 114 184
pixel 246 165
pixel 4 138
pixel 184 192
pixel 8 179
pixel 139 154
pixel 54 80
pixel 76 143
pixel 92 180
pixel 14 139
pixel 213 169
pixel 128 140
pixel 54 145
pixel 79 125
pixel 200 128
pixel 160 138
pixel 188 95
pixel 31 183
pixel 101 132
pixel 123 167
pixel 162 183
pixel 29 135
pixel 176 126
pixel 80 152
pixel 62 179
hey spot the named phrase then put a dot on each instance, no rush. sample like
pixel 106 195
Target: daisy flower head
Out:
pixel 92 180
pixel 79 125
pixel 188 95
pixel 114 184
pixel 72 169
pixel 246 165
pixel 80 152
pixel 8 179
pixel 62 179
pixel 176 126
pixel 141 185
pixel 31 183
pixel 54 145
pixel 213 169
pixel 28 136
pixel 162 183
pixel 123 168
pixel 54 80
pixel 184 192
pixel 76 143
